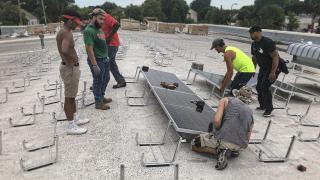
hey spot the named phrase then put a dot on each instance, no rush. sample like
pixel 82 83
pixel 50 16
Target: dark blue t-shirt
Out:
pixel 262 51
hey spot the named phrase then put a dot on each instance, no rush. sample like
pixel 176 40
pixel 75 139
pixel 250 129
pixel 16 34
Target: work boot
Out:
pixel 119 85
pixel 107 100
pixel 102 106
pixel 74 129
pixel 222 162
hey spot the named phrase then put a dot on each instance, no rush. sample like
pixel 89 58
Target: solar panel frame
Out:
pixel 176 103
pixel 216 79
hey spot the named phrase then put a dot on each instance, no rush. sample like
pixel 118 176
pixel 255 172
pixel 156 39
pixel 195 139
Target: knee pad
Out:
pixel 196 142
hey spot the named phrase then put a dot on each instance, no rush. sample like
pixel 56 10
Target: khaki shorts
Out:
pixel 70 76
pixel 208 140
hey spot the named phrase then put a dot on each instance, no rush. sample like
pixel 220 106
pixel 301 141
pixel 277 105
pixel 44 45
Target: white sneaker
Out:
pixel 79 121
pixel 76 130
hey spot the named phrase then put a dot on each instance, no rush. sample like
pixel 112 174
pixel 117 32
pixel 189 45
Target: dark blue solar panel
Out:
pixel 176 103
pixel 183 112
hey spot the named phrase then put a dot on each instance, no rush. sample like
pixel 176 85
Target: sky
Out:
pixel 226 4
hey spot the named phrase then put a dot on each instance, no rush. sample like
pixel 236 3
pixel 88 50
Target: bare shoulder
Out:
pixel 61 33
pixel 230 54
pixel 66 35
pixel 58 37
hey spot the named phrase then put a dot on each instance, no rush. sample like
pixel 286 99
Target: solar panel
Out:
pixel 183 112
pixel 176 103
pixel 176 98
pixel 216 79
pixel 188 119
pixel 155 77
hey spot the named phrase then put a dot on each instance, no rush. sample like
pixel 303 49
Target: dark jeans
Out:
pixel 264 89
pixel 101 81
pixel 112 52
pixel 241 79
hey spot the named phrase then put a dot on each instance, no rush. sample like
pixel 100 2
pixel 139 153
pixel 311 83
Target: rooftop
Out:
pixel 110 140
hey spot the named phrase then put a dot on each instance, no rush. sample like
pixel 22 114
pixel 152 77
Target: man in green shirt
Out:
pixel 98 61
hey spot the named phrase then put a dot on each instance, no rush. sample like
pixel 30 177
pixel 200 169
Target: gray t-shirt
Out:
pixel 236 121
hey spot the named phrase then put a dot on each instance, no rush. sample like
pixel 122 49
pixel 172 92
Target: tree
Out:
pixel 134 12
pixel 313 7
pixel 259 4
pixel 152 8
pixel 293 22
pixel 247 16
pixel 118 13
pixel 201 7
pixel 109 7
pixel 217 16
pixel 114 10
pixel 296 6
pixel 9 14
pixel 54 8
pixel 84 12
pixel 174 10
pixel 271 17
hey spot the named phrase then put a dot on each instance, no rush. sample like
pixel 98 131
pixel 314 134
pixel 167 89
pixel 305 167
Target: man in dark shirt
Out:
pixel 266 56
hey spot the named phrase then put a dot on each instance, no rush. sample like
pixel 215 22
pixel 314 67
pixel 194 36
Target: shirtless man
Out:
pixel 69 70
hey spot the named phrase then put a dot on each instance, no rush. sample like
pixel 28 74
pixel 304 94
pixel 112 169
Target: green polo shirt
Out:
pixel 96 38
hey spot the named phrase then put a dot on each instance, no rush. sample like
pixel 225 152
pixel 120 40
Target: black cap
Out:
pixel 255 28
pixel 217 42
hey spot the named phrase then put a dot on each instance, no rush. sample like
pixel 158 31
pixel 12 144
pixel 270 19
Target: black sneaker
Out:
pixel 222 162
pixel 267 113
pixel 260 108
pixel 119 85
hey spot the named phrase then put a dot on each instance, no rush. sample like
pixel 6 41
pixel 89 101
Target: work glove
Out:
pixel 96 70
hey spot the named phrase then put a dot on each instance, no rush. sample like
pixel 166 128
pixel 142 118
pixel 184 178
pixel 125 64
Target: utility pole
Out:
pixel 44 12
pixel 20 15
pixel 231 12
pixel 234 4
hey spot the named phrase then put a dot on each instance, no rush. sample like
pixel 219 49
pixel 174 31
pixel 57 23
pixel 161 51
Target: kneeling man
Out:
pixel 229 132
